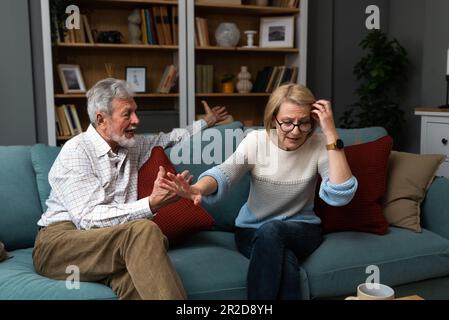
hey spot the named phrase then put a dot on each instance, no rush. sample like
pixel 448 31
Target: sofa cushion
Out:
pixel 42 157
pixel 209 265
pixel 19 199
pixel 19 280
pixel 368 163
pixel 435 208
pixel 225 211
pixel 176 220
pixel 403 256
pixel 409 177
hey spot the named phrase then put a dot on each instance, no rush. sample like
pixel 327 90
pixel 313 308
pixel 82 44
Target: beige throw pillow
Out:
pixel 409 177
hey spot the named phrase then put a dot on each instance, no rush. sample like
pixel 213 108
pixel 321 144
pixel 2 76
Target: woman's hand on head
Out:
pixel 322 113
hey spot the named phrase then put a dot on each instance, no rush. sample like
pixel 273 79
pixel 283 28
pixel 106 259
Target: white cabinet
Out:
pixel 435 135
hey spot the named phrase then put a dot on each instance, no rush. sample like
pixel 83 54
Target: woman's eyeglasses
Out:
pixel 305 127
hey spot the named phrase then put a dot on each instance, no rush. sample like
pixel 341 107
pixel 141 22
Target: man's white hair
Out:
pixel 100 96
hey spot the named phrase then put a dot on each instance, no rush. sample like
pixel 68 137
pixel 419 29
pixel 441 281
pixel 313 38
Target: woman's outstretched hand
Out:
pixel 180 185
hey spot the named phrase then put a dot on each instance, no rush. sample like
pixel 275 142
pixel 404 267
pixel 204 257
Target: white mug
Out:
pixel 373 291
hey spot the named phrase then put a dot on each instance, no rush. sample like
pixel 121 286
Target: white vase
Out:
pixel 227 34
pixel 244 84
pixel 250 38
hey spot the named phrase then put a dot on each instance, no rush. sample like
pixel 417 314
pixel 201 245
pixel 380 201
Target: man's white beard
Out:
pixel 122 140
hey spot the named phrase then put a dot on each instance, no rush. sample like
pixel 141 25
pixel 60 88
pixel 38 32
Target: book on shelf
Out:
pixel 67 120
pixel 158 24
pixel 204 78
pixel 143 27
pixel 271 77
pixel 63 122
pixel 87 29
pixel 74 114
pixel 202 32
pixel 150 27
pixel 166 24
pixel 174 24
pixel 169 79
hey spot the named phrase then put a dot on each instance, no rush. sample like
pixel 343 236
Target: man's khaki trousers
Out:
pixel 130 258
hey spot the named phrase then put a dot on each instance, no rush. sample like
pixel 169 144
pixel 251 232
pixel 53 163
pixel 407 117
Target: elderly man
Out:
pixel 94 220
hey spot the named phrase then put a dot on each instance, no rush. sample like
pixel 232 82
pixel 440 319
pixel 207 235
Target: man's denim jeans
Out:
pixel 274 250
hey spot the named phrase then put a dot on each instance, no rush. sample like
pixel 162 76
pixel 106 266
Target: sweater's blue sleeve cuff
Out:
pixel 223 185
pixel 338 194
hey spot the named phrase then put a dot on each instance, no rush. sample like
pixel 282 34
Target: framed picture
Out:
pixel 277 32
pixel 71 78
pixel 137 78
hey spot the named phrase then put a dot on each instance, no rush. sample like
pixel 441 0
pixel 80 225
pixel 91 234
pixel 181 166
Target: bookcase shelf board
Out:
pixel 124 46
pixel 244 9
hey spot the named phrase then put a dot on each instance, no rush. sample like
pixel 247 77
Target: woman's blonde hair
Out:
pixel 293 93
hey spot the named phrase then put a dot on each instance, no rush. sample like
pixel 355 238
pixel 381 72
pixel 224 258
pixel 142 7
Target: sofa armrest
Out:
pixel 435 208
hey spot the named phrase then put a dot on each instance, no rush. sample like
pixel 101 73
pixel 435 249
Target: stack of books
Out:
pixel 272 77
pixel 159 25
pixel 204 78
pixel 201 32
pixel 67 121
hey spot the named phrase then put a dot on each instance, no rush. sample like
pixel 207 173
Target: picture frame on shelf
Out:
pixel 71 78
pixel 137 78
pixel 277 32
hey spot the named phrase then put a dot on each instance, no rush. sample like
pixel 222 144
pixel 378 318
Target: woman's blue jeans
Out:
pixel 274 250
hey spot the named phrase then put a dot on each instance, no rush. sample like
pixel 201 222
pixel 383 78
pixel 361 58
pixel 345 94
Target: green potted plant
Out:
pixel 227 83
pixel 382 73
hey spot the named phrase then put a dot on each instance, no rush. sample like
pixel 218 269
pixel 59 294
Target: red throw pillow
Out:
pixel 176 220
pixel 368 163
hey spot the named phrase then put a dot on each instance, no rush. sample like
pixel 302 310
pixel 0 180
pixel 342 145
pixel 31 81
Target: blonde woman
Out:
pixel 277 225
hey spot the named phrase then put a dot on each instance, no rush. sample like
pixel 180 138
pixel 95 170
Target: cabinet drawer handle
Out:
pixel 444 141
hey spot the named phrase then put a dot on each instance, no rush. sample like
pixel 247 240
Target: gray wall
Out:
pixel 335 31
pixel 38 71
pixel 407 24
pixel 17 120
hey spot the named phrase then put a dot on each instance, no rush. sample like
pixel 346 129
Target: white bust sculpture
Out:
pixel 134 22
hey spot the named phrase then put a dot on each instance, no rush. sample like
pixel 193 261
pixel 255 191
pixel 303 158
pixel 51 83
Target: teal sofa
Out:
pixel 208 262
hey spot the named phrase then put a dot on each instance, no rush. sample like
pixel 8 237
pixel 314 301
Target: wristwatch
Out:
pixel 337 145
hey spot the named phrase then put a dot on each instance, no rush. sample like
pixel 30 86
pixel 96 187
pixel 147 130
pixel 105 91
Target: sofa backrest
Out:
pixel 229 136
pixel 226 211
pixel 19 199
pixel 24 185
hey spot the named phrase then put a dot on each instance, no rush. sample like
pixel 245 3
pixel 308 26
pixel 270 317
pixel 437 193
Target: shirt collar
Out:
pixel 101 147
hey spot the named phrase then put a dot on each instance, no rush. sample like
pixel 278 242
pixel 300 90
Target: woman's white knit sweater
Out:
pixel 282 182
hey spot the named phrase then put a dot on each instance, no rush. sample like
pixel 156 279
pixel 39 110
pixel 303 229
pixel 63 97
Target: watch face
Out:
pixel 339 143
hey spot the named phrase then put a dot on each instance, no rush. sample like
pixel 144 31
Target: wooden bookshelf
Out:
pixel 120 46
pixel 112 15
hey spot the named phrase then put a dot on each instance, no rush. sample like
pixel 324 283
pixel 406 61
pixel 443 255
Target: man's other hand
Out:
pixel 214 115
